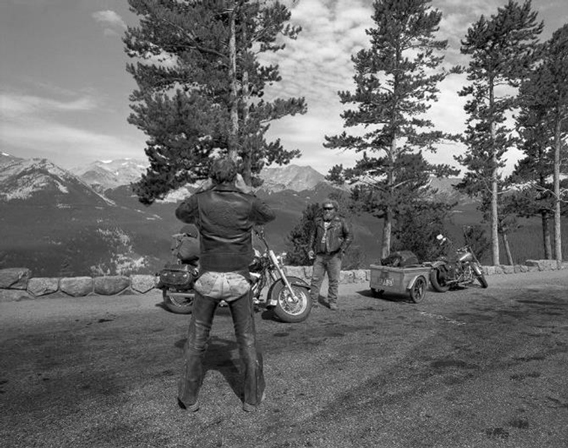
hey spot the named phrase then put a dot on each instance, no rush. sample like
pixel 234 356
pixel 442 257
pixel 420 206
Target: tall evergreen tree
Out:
pixel 396 80
pixel 502 52
pixel 535 169
pixel 201 86
pixel 544 123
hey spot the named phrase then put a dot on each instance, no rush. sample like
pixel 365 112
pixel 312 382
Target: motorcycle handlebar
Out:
pixel 259 232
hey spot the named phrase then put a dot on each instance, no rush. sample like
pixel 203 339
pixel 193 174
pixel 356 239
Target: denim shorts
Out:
pixel 225 286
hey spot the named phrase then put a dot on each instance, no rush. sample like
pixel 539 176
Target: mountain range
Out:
pixel 107 174
pixel 87 221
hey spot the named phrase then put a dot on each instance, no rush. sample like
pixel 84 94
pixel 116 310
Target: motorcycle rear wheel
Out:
pixel 437 281
pixel 177 304
pixel 290 309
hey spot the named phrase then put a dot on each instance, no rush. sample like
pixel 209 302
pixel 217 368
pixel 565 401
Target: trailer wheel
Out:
pixel 418 289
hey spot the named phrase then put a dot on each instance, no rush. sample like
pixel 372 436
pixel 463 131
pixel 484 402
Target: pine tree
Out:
pixel 544 124
pixel 416 229
pixel 502 52
pixel 396 80
pixel 535 169
pixel 299 236
pixel 201 86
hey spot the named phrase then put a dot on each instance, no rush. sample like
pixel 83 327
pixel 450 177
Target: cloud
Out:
pixel 318 65
pixel 39 125
pixel 111 21
pixel 36 2
pixel 17 104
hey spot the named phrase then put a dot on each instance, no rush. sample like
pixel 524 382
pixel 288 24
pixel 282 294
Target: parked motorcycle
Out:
pixel 459 270
pixel 288 296
pixel 176 282
pixel 177 277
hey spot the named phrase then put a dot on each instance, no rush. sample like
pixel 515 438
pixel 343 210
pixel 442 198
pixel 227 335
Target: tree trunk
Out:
pixel 246 152
pixel 494 220
pixel 387 230
pixel 546 236
pixel 505 238
pixel 494 213
pixel 234 112
pixel 494 185
pixel 557 198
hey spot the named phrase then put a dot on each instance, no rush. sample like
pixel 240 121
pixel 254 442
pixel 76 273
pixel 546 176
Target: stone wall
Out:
pixel 18 283
pixel 363 275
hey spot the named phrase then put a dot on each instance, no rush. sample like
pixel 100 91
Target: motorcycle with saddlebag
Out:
pixel 177 277
pixel 459 269
pixel 287 296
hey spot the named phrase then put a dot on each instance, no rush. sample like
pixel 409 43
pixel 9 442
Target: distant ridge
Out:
pixel 40 182
pixel 6 158
pixel 110 174
pixel 105 174
pixel 290 177
pixel 57 223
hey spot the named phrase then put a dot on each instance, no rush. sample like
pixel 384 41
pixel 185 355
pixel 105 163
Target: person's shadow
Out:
pixel 223 356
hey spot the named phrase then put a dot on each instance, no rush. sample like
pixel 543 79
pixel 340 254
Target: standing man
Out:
pixel 329 239
pixel 224 215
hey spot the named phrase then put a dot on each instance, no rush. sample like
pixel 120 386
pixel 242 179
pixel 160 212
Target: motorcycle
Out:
pixel 462 270
pixel 288 296
pixel 176 282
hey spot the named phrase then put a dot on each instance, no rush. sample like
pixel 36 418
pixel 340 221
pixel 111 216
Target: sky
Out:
pixel 64 88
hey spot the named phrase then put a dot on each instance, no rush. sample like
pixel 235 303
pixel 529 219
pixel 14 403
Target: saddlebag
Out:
pixel 178 275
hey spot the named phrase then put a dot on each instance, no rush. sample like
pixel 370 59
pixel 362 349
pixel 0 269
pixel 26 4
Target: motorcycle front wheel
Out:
pixel 479 275
pixel 177 302
pixel 437 280
pixel 291 308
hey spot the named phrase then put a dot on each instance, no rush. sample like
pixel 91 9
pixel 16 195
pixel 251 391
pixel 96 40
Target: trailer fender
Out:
pixel 411 282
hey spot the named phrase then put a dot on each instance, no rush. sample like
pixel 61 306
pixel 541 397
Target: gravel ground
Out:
pixel 468 368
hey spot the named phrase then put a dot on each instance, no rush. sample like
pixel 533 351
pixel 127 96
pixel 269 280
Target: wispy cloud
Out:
pixel 55 118
pixel 318 65
pixel 14 104
pixel 37 124
pixel 35 2
pixel 112 22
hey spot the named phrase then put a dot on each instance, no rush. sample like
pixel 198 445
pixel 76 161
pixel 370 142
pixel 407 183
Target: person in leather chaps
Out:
pixel 224 212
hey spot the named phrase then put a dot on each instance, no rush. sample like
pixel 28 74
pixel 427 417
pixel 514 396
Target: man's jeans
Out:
pixel 330 263
pixel 242 311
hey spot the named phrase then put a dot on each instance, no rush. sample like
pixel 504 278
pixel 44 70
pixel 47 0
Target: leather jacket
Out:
pixel 225 217
pixel 338 238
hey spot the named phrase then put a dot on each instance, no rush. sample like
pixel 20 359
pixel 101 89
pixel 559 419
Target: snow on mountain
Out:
pixel 105 174
pixel 290 177
pixel 40 182
pixel 6 158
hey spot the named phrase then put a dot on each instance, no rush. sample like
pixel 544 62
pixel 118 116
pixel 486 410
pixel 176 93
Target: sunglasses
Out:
pixel 329 208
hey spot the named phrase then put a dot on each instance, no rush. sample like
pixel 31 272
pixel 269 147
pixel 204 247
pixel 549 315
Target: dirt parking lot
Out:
pixel 469 368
